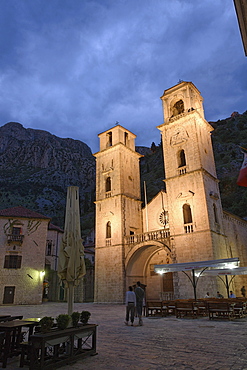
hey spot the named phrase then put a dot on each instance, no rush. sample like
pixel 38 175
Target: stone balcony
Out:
pixel 148 236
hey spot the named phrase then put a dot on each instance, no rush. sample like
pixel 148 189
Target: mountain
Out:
pixel 36 168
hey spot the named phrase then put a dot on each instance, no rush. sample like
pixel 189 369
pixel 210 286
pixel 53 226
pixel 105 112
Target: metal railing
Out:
pixel 15 238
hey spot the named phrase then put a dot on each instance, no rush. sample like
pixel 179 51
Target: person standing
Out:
pixel 243 291
pixel 130 303
pixel 139 292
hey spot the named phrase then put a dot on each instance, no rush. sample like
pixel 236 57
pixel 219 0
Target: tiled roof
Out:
pixel 21 212
pixel 88 251
pixel 54 227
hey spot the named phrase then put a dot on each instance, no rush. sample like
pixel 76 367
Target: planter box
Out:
pixel 60 347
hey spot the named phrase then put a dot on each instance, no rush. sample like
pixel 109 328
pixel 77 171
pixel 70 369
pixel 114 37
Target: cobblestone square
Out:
pixel 161 343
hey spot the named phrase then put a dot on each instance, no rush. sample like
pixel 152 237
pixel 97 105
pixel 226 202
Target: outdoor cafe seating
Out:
pixel 40 350
pixel 12 334
pixel 214 308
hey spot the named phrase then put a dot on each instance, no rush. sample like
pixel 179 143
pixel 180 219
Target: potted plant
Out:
pixel 85 315
pixel 75 316
pixel 46 323
pixel 62 321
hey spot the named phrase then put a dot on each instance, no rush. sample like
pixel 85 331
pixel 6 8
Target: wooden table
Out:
pixel 58 347
pixel 13 337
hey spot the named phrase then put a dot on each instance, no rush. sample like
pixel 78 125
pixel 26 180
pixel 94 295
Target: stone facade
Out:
pixel 23 243
pixel 54 238
pixel 182 224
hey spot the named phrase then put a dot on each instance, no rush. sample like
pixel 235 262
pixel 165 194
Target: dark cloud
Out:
pixel 74 68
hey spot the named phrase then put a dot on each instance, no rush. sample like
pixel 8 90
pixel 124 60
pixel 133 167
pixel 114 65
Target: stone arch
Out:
pixel 108 184
pixel 139 265
pixel 108 230
pixel 187 214
pixel 181 158
pixel 177 107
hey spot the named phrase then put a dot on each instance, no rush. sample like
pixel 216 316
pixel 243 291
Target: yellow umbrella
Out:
pixel 71 263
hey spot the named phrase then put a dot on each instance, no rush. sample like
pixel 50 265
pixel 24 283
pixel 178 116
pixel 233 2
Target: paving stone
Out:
pixel 164 343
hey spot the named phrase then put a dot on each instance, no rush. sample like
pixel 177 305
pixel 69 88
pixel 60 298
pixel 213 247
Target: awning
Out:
pixel 202 266
pixel 220 264
pixel 226 272
pixel 235 271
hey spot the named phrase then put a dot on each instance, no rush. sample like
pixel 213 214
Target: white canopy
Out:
pixel 226 263
pixel 235 271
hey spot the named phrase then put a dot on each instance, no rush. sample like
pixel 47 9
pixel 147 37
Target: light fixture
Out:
pixel 231 266
pixel 42 274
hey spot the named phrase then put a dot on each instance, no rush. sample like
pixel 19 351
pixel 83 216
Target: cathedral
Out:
pixel 184 223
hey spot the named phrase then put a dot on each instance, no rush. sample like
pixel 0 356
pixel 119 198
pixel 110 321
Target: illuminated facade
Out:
pixel 23 243
pixel 182 224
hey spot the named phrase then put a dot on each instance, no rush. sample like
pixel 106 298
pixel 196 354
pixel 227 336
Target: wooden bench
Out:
pixel 184 308
pixel 171 307
pixel 202 307
pixel 222 310
pixel 155 308
pixel 239 309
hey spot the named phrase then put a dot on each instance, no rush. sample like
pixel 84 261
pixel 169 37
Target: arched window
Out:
pixel 215 214
pixel 49 248
pixel 109 134
pixel 125 138
pixel 187 214
pixel 178 108
pixel 108 184
pixel 108 230
pixel 181 158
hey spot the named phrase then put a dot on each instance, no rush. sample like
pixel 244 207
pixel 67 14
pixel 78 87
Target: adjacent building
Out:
pixel 23 235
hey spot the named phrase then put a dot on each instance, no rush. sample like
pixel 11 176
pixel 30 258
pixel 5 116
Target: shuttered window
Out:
pixel 12 262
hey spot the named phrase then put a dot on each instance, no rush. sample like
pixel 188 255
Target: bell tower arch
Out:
pixel 118 210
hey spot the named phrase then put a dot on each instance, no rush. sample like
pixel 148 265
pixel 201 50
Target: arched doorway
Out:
pixel 140 266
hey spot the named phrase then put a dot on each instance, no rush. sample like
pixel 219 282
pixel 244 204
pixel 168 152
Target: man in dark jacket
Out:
pixel 139 301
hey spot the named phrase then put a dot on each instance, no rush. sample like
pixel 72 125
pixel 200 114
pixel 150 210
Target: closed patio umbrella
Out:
pixel 71 263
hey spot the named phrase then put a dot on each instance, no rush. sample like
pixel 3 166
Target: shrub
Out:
pixel 63 321
pixel 46 323
pixel 85 315
pixel 75 316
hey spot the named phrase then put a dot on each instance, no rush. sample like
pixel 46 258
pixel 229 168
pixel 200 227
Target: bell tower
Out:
pixel 118 210
pixel 194 204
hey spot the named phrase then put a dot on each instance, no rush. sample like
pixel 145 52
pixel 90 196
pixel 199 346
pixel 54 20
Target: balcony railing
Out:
pixel 188 228
pixel 108 242
pixel 148 236
pixel 15 238
pixel 182 170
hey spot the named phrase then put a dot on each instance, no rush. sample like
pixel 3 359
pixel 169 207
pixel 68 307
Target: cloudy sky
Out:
pixel 75 67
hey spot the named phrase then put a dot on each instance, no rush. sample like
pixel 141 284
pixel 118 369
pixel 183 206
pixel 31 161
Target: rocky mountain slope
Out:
pixel 36 168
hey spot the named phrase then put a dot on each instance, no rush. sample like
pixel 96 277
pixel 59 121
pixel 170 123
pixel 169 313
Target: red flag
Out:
pixel 242 177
